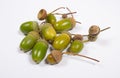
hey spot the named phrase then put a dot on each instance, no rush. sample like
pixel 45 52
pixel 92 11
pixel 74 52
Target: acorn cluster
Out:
pixel 53 34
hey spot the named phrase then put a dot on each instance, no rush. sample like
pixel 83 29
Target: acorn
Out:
pixel 94 31
pixel 54 57
pixel 42 14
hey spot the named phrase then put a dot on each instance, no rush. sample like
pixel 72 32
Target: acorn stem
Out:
pixel 64 13
pixel 78 34
pixel 100 31
pixel 70 12
pixel 74 54
pixel 58 9
pixel 84 35
pixel 104 29
pixel 78 22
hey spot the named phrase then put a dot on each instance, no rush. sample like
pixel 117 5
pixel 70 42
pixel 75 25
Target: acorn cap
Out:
pixel 64 16
pixel 35 26
pixel 42 40
pixel 72 21
pixel 57 55
pixel 68 33
pixel 41 26
pixel 78 37
pixel 94 30
pixel 42 14
pixel 34 34
pixel 92 38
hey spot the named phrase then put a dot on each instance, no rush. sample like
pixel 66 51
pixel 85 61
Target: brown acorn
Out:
pixel 42 14
pixel 54 57
pixel 94 31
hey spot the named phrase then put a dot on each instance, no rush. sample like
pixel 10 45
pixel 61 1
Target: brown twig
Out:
pixel 78 22
pixel 104 29
pixel 74 54
pixel 58 9
pixel 70 12
pixel 64 13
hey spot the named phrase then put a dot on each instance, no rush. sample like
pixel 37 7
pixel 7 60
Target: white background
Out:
pixel 16 64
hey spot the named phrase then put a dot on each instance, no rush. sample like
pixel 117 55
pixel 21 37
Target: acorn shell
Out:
pixel 94 30
pixel 57 55
pixel 42 14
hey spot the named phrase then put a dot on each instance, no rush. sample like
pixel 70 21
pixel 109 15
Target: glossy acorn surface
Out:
pixel 51 19
pixel 48 32
pixel 28 26
pixel 39 51
pixel 63 25
pixel 76 46
pixel 50 59
pixel 29 41
pixel 61 41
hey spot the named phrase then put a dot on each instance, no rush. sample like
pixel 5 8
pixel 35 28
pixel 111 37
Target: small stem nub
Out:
pixel 84 35
pixel 69 53
pixel 104 29
pixel 58 9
